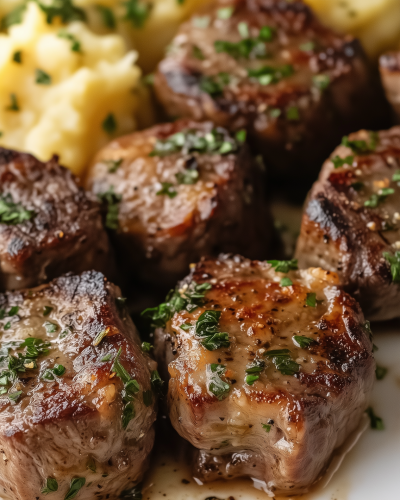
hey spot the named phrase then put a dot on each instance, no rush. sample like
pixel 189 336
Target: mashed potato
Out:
pixel 64 90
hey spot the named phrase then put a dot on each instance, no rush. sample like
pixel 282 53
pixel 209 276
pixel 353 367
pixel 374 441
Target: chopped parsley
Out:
pixel 17 57
pixel 207 328
pixel 312 301
pixel 266 427
pixel 339 162
pixel 63 9
pixel 42 78
pixel 111 200
pixel 283 266
pixel 253 371
pixel 50 486
pixel 201 22
pixel 47 310
pixel 156 381
pixel 292 113
pixel 167 189
pixel 218 387
pixel 321 81
pixel 131 387
pixel 283 361
pixel 394 261
pixel 188 176
pixel 189 299
pixel 377 198
pixel 109 124
pixel 286 282
pixel 225 12
pixel 107 16
pixel 50 327
pixel 197 53
pixel 214 85
pixel 307 46
pixel 137 12
pixel 106 358
pixel 13 213
pixel 14 396
pixel 57 370
pixel 75 43
pixel 146 347
pixel 100 336
pixel 186 326
pixel 247 47
pixel 113 165
pixel 396 176
pixel 302 342
pixel 91 465
pixel 13 17
pixel 376 422
pixel 361 147
pixel 76 484
pixel 14 106
pixel 380 372
pixel 268 74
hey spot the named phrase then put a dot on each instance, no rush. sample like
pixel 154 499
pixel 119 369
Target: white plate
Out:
pixel 371 470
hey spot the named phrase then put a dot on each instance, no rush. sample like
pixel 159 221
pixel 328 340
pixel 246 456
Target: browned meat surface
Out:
pixel 176 192
pixel 269 372
pixel 48 226
pixel 389 65
pixel 351 222
pixel 271 67
pixel 72 408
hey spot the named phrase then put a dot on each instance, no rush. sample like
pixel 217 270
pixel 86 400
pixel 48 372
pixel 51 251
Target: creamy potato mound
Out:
pixel 63 89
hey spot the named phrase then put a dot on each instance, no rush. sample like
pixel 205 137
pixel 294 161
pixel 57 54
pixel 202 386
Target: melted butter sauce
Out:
pixel 370 470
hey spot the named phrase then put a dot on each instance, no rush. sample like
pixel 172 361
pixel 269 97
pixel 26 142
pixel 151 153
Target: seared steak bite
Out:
pixel 270 369
pixel 176 192
pixel 76 404
pixel 389 65
pixel 273 69
pixel 48 226
pixel 351 221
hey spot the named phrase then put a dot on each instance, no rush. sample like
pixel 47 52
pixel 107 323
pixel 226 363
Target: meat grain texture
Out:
pixel 180 191
pixel 289 386
pixel 351 221
pixel 48 226
pixel 272 68
pixel 68 426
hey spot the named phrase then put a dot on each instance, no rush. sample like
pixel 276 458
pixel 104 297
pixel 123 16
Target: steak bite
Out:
pixel 389 65
pixel 76 404
pixel 176 192
pixel 272 68
pixel 270 371
pixel 351 221
pixel 48 225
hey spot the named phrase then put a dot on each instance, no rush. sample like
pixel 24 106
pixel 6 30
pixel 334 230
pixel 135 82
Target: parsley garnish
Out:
pixel 75 44
pixel 50 486
pixel 302 342
pixel 107 16
pixel 76 484
pixel 14 396
pixel 188 299
pixel 248 46
pixel 377 198
pixel 167 189
pixel 197 53
pixel 50 327
pixel 283 266
pixel 283 361
pixel 286 282
pixel 17 57
pixel 292 113
pixel 100 336
pixel 146 347
pixel 42 78
pixel 214 85
pixel 225 12
pixel 307 46
pixel 266 427
pixel 394 261
pixel 396 176
pixel 64 9
pixel 91 465
pixel 47 310
pixel 112 200
pixel 321 81
pixel 376 422
pixel 339 162
pixel 137 12
pixel 156 381
pixel 109 124
pixel 13 17
pixel 131 387
pixel 361 147
pixel 207 327
pixel 13 213
pixel 216 385
pixel 14 106
pixel 267 74
pixel 49 373
pixel 380 372
pixel 106 358
pixel 311 300
pixel 253 371
pixel 188 176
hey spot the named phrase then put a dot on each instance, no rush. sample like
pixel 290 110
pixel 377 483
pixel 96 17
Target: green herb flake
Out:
pixel 106 358
pixel 14 106
pixel 377 198
pixel 107 16
pixel 361 147
pixel 91 465
pixel 147 347
pixel 112 201
pixel 321 81
pixel 286 282
pixel 243 29
pixel 197 53
pixel 13 17
pixel 394 261
pixel 218 387
pixel 50 327
pixel 241 136
pixel 266 427
pixel 380 372
pixel 201 22
pixel 186 326
pixel 76 484
pixel 167 189
pixel 396 176
pixel 284 266
pixel 250 379
pixel 147 398
pixel 100 337
pixel 14 396
pixel 109 124
pixel 302 342
pixel 42 78
pixel 17 57
pixel 13 311
pixel 376 422
pixel 339 162
pixel 156 381
pixel 137 12
pixel 292 113
pixel 207 327
pixel 267 75
pixel 7 326
pixel 283 361
pixel 187 177
pixel 47 310
pixel 266 34
pixel 50 486
pixel 225 12
pixel 307 47
pixel 75 43
pixel 65 10
pixel 275 113
pixel 13 213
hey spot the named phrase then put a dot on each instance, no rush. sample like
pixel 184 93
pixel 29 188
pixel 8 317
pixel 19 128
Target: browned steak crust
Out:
pixel 48 226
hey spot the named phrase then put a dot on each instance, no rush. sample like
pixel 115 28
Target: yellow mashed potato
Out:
pixel 64 90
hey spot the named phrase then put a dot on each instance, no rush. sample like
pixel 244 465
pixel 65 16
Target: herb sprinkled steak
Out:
pixel 178 191
pixel 351 222
pixel 48 226
pixel 271 369
pixel 270 67
pixel 76 400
